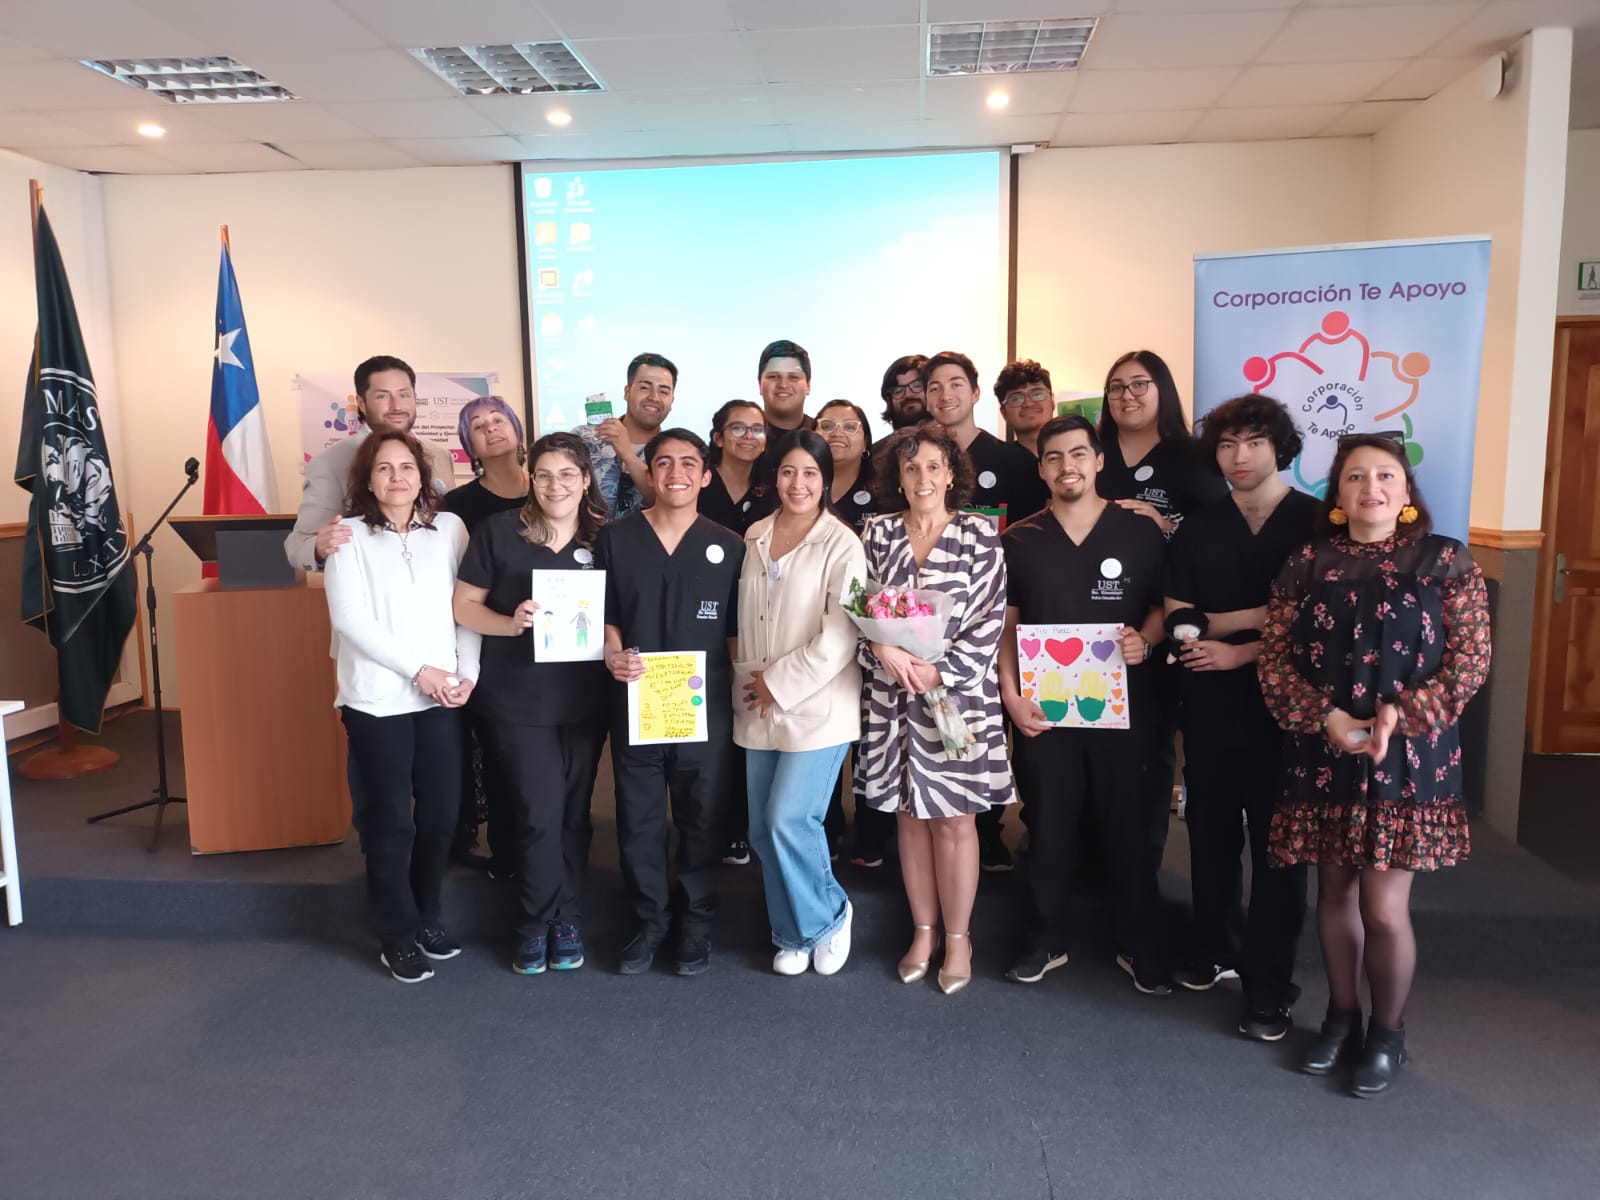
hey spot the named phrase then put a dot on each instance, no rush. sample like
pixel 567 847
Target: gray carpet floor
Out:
pixel 219 1027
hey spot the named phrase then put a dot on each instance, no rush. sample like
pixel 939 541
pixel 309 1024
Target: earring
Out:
pixel 1337 516
pixel 1409 514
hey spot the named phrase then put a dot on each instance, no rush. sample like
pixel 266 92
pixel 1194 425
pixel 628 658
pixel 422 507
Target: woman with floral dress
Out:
pixel 1376 637
pixel 924 541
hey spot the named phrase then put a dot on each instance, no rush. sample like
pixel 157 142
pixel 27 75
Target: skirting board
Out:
pixel 43 716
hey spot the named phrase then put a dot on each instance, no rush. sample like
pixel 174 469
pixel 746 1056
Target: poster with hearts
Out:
pixel 1075 674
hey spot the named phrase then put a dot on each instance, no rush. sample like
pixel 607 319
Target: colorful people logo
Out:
pixel 344 418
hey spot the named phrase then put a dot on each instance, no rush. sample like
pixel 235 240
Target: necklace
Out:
pixel 405 551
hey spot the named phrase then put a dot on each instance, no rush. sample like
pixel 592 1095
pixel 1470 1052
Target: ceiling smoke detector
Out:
pixel 192 80
pixel 519 69
pixel 1002 47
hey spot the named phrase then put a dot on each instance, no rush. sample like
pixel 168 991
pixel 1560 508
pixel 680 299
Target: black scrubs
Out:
pixel 480 776
pixel 1176 478
pixel 1114 577
pixel 736 514
pixel 543 726
pixel 1007 478
pixel 1232 753
pixel 687 600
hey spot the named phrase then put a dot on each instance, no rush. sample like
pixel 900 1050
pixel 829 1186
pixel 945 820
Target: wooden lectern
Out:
pixel 263 748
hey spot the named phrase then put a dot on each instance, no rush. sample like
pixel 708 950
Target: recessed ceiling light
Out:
pixel 1001 47
pixel 518 69
pixel 558 116
pixel 150 129
pixel 997 100
pixel 192 80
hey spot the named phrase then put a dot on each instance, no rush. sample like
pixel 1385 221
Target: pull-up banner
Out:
pixel 1383 337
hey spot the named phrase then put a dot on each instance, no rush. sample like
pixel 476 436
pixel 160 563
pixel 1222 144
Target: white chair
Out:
pixel 9 879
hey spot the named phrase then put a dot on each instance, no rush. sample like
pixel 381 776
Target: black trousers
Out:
pixel 1232 766
pixel 548 773
pixel 1161 767
pixel 1060 773
pixel 736 815
pixel 873 828
pixel 408 767
pixel 693 779
pixel 498 819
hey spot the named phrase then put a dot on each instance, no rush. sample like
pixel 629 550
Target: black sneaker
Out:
pixel 501 871
pixel 1202 977
pixel 992 853
pixel 530 958
pixel 437 944
pixel 867 858
pixel 694 954
pixel 1265 1024
pixel 1151 983
pixel 737 854
pixel 638 954
pixel 565 947
pixel 405 962
pixel 1033 963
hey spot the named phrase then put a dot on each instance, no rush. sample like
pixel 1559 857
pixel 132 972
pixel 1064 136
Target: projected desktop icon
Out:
pixel 549 278
pixel 541 188
pixel 551 325
pixel 544 233
pixel 582 282
pixel 577 233
pixel 585 325
pixel 575 189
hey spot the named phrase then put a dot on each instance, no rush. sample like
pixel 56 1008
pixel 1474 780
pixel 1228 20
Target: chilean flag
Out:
pixel 239 475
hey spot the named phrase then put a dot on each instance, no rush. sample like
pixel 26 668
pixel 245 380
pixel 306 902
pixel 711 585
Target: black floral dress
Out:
pixel 1351 624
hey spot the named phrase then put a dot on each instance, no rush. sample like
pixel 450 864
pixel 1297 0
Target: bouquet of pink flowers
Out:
pixel 914 621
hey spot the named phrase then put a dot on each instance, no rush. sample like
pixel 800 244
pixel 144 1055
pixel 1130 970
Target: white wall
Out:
pixel 1580 226
pixel 1107 238
pixel 333 267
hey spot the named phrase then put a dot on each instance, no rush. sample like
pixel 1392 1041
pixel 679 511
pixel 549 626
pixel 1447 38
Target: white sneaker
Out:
pixel 791 962
pixel 829 955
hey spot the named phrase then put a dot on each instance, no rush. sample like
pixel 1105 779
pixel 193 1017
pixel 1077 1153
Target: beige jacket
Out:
pixel 791 627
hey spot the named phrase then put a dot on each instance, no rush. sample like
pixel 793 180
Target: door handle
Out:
pixel 1561 579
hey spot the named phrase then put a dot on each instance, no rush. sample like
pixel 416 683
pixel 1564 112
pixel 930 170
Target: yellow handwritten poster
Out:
pixel 668 702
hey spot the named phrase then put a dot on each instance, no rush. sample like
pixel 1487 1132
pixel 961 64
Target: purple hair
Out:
pixel 473 408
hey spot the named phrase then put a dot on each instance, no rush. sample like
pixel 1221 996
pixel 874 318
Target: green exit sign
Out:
pixel 1589 276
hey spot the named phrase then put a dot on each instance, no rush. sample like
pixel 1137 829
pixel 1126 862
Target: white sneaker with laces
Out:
pixel 829 954
pixel 791 962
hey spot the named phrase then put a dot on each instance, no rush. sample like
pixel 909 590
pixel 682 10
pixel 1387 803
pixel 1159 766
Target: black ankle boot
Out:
pixel 1338 1042
pixel 1381 1057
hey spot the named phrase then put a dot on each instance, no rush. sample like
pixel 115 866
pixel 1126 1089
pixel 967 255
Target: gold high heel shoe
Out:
pixel 949 982
pixel 911 972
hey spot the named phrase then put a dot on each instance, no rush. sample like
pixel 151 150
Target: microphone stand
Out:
pixel 162 797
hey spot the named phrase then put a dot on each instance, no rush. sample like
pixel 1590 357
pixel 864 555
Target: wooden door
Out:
pixel 1564 682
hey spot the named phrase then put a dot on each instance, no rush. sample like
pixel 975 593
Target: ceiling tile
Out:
pixel 986 130
pixel 1150 91
pixel 117 160
pixel 417 23
pixel 824 103
pixel 119 126
pixel 1586 113
pixel 416 119
pixel 116 29
pixel 353 75
pixel 1353 34
pixel 238 29
pixel 347 156
pixel 587 146
pixel 635 18
pixel 963 96
pixel 20 130
pixel 1359 120
pixel 229 158
pixel 1122 129
pixel 60 84
pixel 1422 77
pixel 814 14
pixel 699 60
pixel 1306 83
pixel 293 121
pixel 822 56
pixel 623 112
pixel 1219 39
pixel 706 143
pixel 452 152
pixel 1263 124
pixel 11 50
pixel 844 135
pixel 1015 10
pixel 1501 23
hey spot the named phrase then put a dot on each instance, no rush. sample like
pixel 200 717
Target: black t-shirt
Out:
pixel 736 515
pixel 859 503
pixel 1007 477
pixel 1215 564
pixel 473 502
pixel 512 687
pixel 1176 477
pixel 688 600
pixel 766 468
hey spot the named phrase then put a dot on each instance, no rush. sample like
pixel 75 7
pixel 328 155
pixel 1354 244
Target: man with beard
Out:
pixel 617 445
pixel 904 402
pixel 387 399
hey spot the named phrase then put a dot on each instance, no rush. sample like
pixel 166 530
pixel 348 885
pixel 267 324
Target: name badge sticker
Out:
pixel 715 554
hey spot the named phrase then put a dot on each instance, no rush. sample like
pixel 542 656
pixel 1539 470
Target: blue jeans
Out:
pixel 789 794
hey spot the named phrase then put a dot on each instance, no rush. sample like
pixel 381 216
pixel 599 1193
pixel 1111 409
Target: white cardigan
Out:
pixel 793 628
pixel 390 618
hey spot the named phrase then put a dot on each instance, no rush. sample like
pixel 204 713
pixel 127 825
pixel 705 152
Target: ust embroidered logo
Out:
pixel 708 611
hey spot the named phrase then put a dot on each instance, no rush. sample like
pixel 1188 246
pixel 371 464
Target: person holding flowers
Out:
pixel 934 750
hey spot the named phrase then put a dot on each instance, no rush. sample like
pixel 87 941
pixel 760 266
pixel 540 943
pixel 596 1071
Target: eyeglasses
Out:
pixel 906 389
pixel 841 426
pixel 549 478
pixel 1038 395
pixel 1136 387
pixel 739 429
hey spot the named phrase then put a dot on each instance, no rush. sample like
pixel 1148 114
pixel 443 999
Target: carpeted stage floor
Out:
pixel 219 1027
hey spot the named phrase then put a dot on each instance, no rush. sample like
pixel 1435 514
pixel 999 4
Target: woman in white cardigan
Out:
pixel 797 701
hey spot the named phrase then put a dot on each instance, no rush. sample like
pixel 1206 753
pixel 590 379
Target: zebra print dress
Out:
pixel 900 765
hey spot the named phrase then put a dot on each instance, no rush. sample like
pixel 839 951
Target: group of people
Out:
pixel 1333 644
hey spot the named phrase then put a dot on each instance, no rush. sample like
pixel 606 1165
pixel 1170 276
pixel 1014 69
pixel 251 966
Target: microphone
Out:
pixel 192 469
